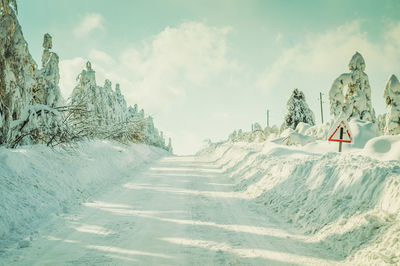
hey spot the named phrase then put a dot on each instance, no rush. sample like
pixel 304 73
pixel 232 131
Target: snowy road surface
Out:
pixel 178 211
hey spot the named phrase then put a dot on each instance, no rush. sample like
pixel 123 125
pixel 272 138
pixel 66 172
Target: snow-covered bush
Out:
pixel 357 101
pixel 392 99
pixel 256 134
pixel 298 111
pixel 274 130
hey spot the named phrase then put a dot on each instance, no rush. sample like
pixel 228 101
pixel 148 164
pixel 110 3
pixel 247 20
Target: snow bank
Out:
pixel 348 202
pixel 36 182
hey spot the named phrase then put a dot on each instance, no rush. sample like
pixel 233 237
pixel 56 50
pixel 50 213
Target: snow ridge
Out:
pixel 345 202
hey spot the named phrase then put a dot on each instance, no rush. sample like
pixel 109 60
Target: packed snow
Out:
pixel 37 182
pixel 176 211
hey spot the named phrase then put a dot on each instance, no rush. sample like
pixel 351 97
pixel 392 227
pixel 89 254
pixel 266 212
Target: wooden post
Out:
pixel 341 137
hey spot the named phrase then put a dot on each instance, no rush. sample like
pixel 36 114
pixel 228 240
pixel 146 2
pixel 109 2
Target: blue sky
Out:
pixel 205 68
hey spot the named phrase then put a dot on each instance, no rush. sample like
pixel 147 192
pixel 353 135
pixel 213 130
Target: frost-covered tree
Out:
pixel 298 110
pixel 5 6
pixel 17 72
pixel 84 94
pixel 108 115
pixel 47 91
pixel 392 99
pixel 33 111
pixel 357 101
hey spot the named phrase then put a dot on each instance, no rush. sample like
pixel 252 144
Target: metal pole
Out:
pixel 322 113
pixel 267 118
pixel 341 137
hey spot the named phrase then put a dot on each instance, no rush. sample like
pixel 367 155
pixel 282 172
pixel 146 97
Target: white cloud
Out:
pixel 101 58
pixel 69 70
pixel 176 60
pixel 313 64
pixel 162 69
pixel 89 23
pixel 327 54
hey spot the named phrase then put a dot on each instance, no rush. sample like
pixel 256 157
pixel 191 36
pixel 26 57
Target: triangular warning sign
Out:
pixel 340 135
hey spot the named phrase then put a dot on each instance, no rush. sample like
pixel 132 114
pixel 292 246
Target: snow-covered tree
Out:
pixel 357 101
pixel 47 91
pixel 298 110
pixel 107 114
pixel 169 147
pixel 5 6
pixel 17 71
pixel 33 111
pixel 392 99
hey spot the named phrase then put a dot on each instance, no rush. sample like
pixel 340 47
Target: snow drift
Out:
pixel 37 182
pixel 348 202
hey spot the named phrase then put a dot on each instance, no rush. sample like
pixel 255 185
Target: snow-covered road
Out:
pixel 178 211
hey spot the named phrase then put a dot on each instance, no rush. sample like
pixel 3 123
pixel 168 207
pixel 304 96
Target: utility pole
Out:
pixel 322 112
pixel 267 117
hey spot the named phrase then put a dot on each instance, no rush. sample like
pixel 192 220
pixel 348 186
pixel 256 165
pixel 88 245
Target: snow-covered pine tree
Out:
pixel 357 101
pixel 392 99
pixel 298 110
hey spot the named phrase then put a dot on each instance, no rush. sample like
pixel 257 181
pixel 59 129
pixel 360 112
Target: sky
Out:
pixel 205 68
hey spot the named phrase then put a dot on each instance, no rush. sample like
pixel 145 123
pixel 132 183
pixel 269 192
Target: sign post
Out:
pixel 339 135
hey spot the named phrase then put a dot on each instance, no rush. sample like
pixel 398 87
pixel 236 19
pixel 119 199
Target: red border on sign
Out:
pixel 341 140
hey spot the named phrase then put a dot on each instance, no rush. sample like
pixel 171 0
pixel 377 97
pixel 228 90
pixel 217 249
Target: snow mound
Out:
pixel 383 148
pixel 362 132
pixel 291 137
pixel 302 128
pixel 37 182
